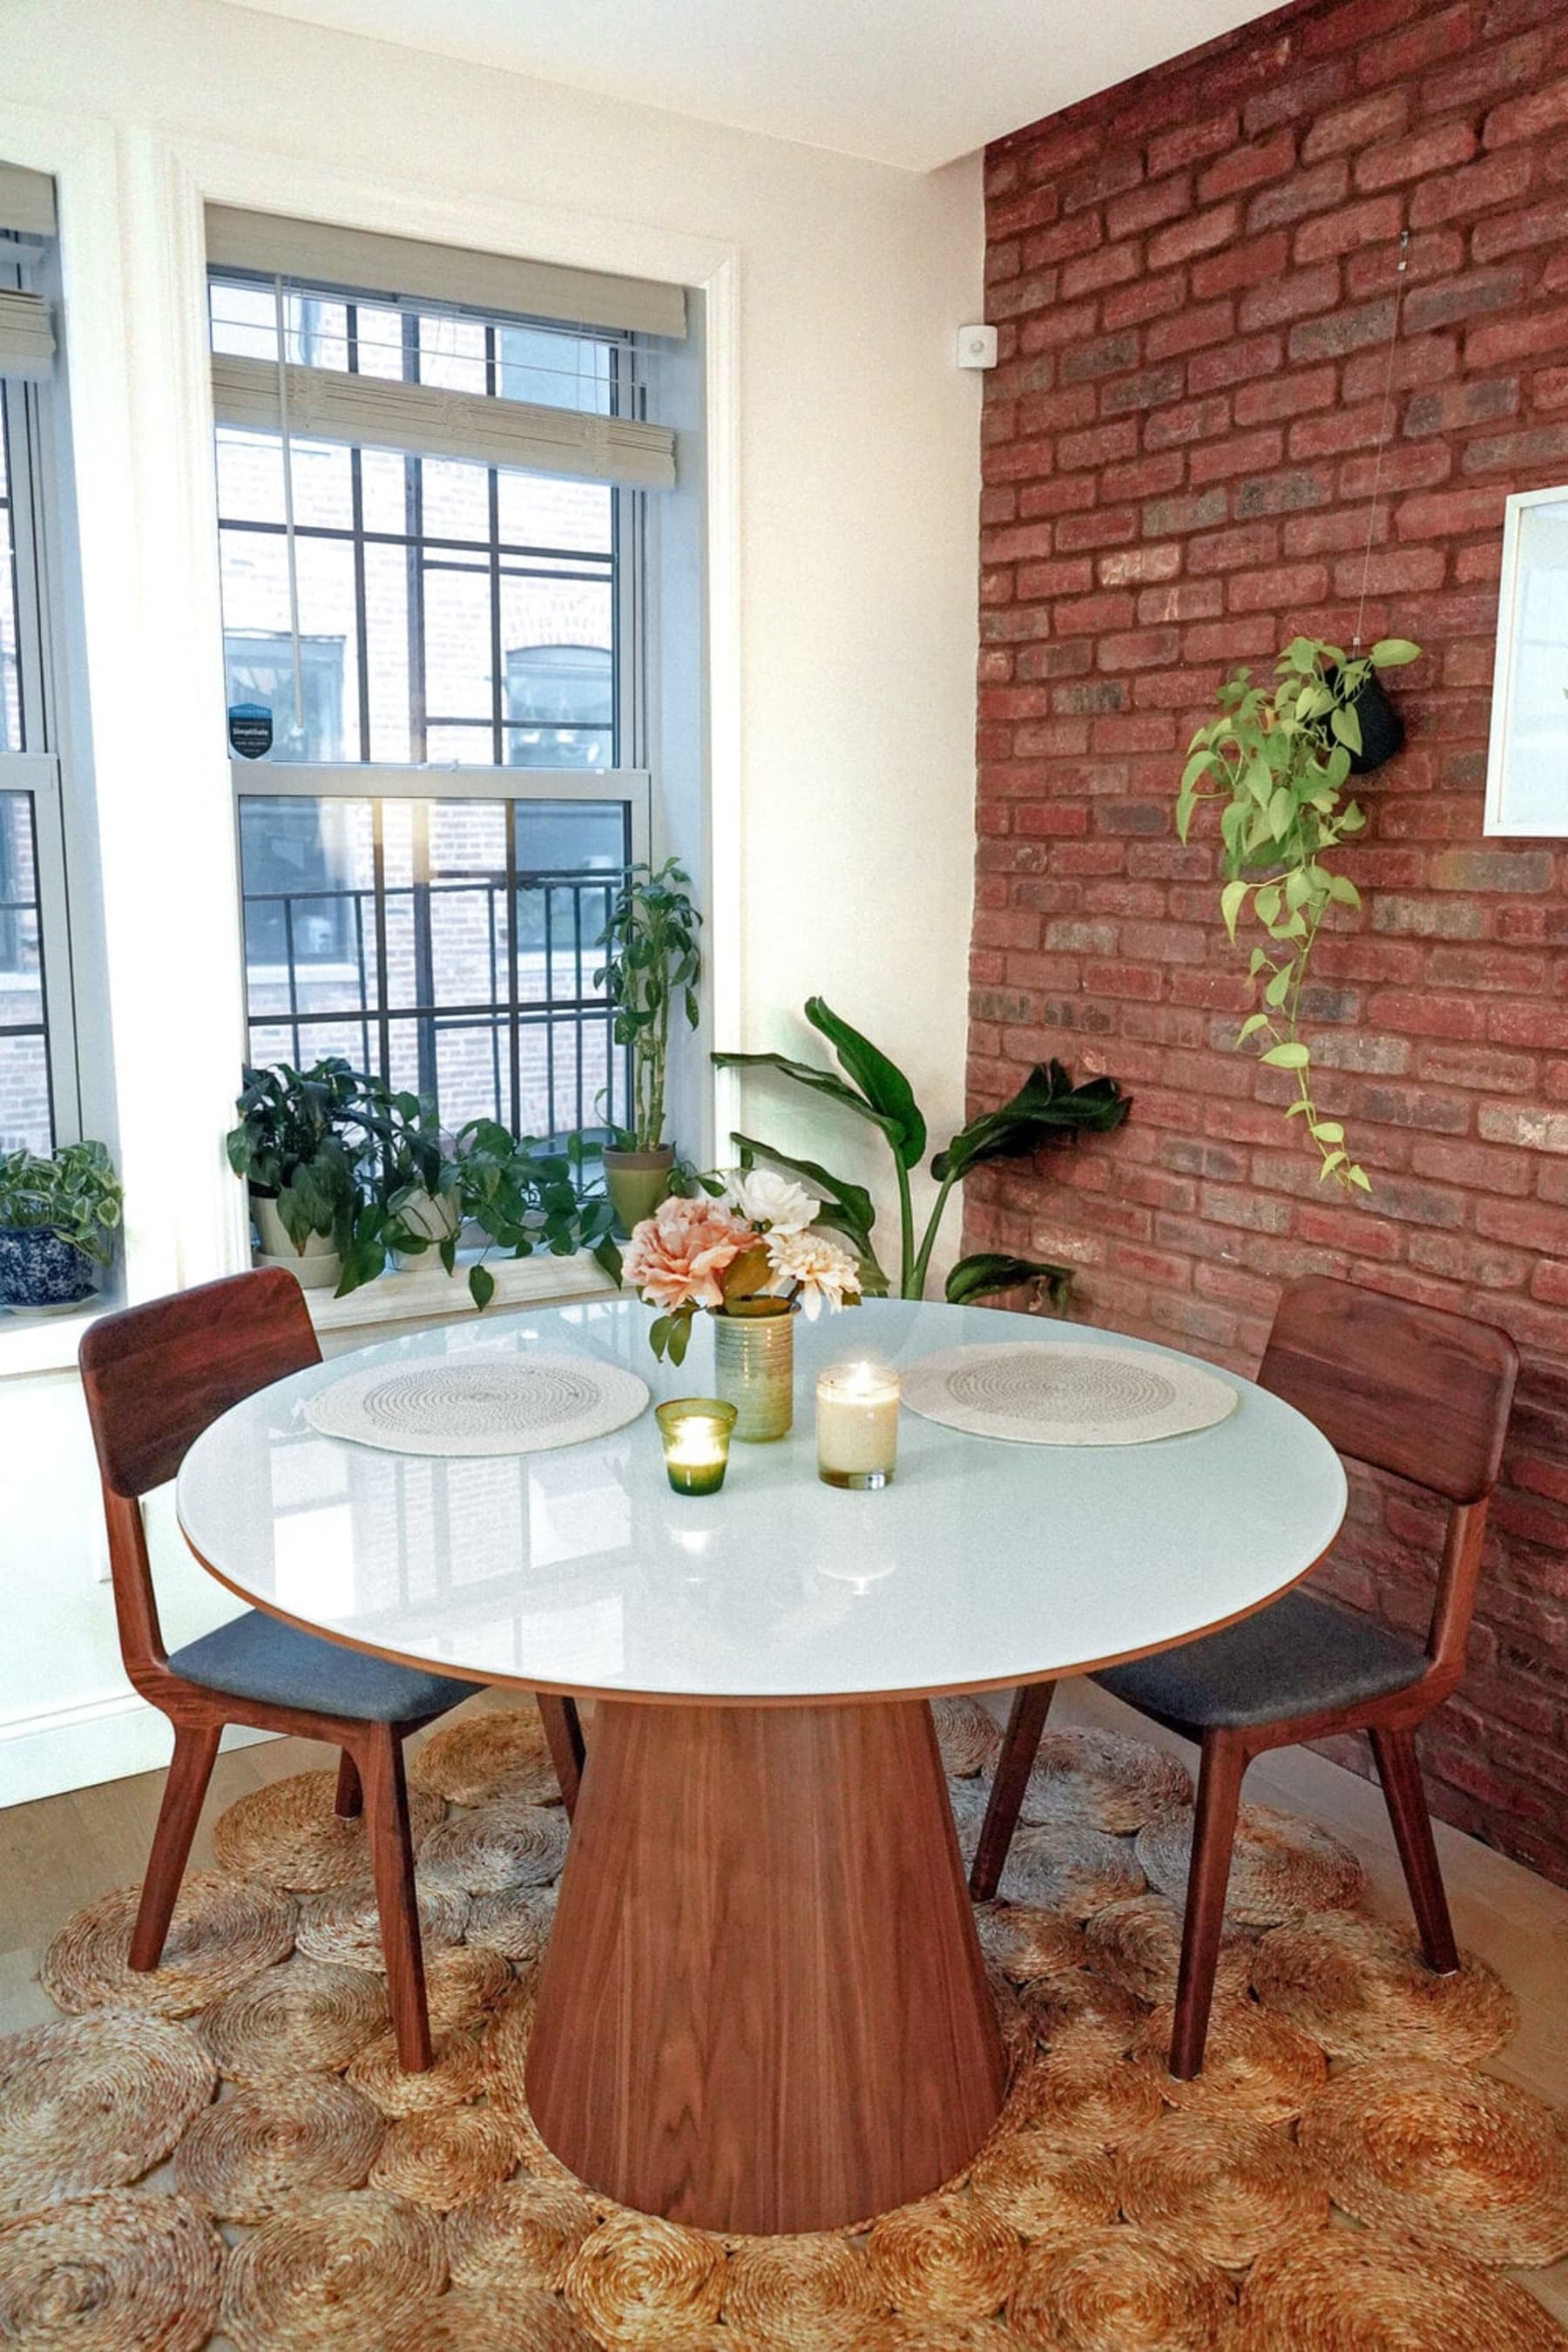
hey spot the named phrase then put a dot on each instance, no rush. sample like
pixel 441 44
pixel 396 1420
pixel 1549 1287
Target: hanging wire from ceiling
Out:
pixel 1381 432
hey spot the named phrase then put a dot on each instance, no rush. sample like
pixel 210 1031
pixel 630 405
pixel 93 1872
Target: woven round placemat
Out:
pixel 945 2255
pixel 124 2272
pixel 640 2280
pixel 341 1927
pixel 1067 1393
pixel 455 2076
pixel 464 1987
pixel 1255 2064
pixel 497 1845
pixel 464 2321
pixel 445 2155
pixel 1081 2014
pixel 1067 1868
pixel 91 2102
pixel 522 2233
pixel 1139 1943
pixel 1282 1865
pixel 968 1735
pixel 500 1753
pixel 1479 2165
pixel 1119 2291
pixel 220 1934
pixel 246 2156
pixel 1041 2191
pixel 793 2295
pixel 491 1402
pixel 299 2017
pixel 1081 2100
pixel 1026 1942
pixel 1224 2190
pixel 1361 2291
pixel 1102 1779
pixel 1363 1989
pixel 333 2273
pixel 516 1922
pixel 288 1835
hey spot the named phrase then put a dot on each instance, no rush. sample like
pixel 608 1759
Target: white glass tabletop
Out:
pixel 986 1563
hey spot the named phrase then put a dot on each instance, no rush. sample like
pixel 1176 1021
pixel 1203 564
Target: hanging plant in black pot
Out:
pixel 1377 716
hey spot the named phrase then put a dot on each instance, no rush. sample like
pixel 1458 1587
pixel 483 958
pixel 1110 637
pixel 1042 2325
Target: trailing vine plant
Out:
pixel 1277 761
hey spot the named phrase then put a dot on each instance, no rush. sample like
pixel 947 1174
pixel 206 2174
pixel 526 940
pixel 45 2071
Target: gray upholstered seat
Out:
pixel 257 1657
pixel 1291 1659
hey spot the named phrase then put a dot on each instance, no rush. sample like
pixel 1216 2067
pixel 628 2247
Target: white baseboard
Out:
pixel 61 1748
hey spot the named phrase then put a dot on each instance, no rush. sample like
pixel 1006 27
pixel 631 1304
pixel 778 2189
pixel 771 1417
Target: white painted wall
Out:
pixel 844 455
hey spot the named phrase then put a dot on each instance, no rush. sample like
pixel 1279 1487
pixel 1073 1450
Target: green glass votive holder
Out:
pixel 696 1432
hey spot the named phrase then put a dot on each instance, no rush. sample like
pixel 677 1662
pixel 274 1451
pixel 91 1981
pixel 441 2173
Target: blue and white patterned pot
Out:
pixel 38 1268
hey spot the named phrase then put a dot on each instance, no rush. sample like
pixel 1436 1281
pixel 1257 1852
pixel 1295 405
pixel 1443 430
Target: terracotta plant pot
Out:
pixel 317 1266
pixel 637 1181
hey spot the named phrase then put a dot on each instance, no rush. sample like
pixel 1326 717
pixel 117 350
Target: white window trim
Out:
pixel 133 244
pixel 1499 821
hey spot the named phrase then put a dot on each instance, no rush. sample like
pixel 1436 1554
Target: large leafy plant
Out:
pixel 1277 761
pixel 523 1199
pixel 1046 1107
pixel 653 963
pixel 300 1140
pixel 73 1191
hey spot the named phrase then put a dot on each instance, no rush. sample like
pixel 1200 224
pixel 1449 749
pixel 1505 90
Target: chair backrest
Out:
pixel 1410 1389
pixel 1422 1395
pixel 154 1377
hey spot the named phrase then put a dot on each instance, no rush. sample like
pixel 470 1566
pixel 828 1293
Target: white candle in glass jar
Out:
pixel 856 1425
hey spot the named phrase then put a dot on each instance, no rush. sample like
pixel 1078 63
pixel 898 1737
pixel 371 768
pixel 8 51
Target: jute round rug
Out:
pixel 1112 2209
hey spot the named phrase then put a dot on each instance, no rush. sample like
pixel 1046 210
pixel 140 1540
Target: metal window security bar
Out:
pixel 432 529
pixel 441 930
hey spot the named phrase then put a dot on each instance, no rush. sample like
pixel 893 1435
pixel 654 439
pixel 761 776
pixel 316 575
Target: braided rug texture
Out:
pixel 325 2201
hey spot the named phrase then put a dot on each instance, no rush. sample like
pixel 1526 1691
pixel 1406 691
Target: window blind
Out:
pixel 325 405
pixel 26 201
pixel 26 336
pixel 318 253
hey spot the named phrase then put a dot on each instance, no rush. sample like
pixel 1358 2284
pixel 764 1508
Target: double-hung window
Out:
pixel 38 1102
pixel 434 471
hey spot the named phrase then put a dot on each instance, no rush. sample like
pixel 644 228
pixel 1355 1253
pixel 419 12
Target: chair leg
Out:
pixel 1399 1773
pixel 1020 1745
pixel 351 1795
pixel 196 1746
pixel 391 1862
pixel 563 1730
pixel 1224 1762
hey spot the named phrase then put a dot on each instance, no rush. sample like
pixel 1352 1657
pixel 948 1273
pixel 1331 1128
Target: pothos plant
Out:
pixel 1277 761
pixel 1046 1107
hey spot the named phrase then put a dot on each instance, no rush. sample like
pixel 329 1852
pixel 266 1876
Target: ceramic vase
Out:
pixel 753 1369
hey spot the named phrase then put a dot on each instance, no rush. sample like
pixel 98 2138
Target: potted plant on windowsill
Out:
pixel 294 1148
pixel 653 962
pixel 59 1215
pixel 417 1183
pixel 522 1199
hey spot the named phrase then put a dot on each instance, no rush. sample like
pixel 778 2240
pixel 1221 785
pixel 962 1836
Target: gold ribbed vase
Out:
pixel 753 1369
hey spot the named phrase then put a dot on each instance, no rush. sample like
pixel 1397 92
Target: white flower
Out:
pixel 770 1199
pixel 814 1268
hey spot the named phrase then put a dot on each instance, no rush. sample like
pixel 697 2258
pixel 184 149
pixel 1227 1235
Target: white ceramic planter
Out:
pixel 436 1216
pixel 317 1266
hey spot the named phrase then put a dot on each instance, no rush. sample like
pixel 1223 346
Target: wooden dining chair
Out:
pixel 154 1377
pixel 1407 1390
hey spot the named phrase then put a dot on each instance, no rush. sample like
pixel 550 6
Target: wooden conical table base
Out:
pixel 764 2008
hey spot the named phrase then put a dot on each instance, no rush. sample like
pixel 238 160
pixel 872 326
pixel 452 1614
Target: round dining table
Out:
pixel 763 2006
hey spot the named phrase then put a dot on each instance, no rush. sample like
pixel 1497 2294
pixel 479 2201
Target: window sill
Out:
pixel 430 1295
pixel 33 1343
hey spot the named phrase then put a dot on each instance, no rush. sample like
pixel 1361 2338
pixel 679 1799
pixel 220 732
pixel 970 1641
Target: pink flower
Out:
pixel 676 1256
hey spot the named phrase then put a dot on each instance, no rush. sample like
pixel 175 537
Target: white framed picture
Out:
pixel 1526 763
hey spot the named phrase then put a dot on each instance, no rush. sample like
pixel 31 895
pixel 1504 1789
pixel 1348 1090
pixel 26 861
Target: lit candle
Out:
pixel 696 1434
pixel 856 1425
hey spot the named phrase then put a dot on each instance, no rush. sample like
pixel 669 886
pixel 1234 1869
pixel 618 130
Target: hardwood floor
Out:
pixel 63 1852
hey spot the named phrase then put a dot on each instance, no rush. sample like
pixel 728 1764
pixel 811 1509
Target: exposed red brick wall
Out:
pixel 1193 276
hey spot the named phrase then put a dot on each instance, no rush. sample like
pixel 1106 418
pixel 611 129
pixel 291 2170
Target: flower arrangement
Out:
pixel 750 1251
